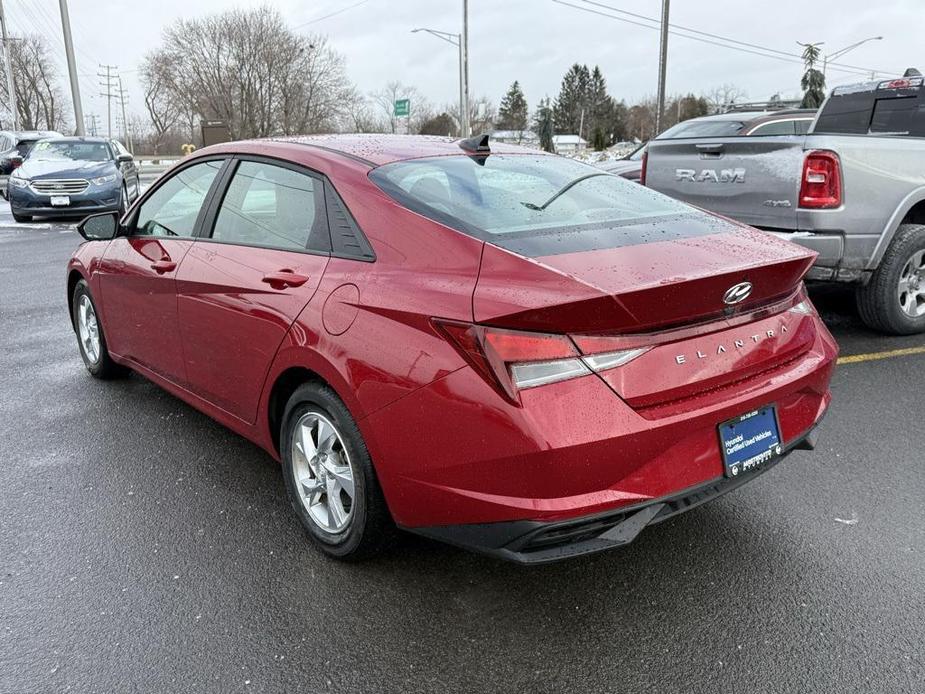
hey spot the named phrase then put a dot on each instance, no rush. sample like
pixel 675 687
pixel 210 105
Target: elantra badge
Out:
pixel 738 293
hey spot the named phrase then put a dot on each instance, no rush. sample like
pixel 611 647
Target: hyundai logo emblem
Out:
pixel 737 293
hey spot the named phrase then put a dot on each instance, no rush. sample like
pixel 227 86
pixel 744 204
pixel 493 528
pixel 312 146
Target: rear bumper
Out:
pixel 455 454
pixel 841 257
pixel 537 542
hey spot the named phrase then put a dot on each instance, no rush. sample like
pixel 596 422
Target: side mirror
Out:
pixel 16 161
pixel 99 227
pixel 122 158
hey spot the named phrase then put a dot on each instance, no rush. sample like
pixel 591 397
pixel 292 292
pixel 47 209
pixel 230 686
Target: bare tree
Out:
pixel 247 68
pixel 419 109
pixel 39 97
pixel 161 102
pixel 359 115
pixel 723 97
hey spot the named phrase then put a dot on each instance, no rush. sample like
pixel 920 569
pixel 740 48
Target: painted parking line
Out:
pixel 875 356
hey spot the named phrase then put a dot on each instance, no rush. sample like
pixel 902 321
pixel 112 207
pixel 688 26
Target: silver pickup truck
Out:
pixel 852 189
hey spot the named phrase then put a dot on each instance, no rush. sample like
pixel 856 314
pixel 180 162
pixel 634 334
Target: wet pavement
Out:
pixel 144 548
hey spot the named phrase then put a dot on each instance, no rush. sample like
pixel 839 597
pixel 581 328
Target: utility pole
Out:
pixel 123 95
pixel 464 56
pixel 72 69
pixel 91 124
pixel 10 87
pixel 662 68
pixel 107 84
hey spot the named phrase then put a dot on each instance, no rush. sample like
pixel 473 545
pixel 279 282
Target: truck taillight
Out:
pixel 645 165
pixel 821 186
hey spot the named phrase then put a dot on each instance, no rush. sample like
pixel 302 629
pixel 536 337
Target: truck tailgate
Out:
pixel 754 180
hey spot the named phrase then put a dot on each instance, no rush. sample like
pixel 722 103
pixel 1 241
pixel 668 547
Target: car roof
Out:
pixel 79 139
pixel 375 149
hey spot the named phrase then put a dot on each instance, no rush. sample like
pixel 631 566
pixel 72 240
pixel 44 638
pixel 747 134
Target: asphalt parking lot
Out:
pixel 144 548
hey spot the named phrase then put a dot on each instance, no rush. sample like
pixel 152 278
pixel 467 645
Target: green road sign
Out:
pixel 402 107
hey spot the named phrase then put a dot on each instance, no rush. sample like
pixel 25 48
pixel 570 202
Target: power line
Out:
pixel 727 39
pixel 767 53
pixel 332 14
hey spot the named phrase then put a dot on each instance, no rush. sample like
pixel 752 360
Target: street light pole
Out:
pixel 10 87
pixel 464 59
pixel 840 53
pixel 456 40
pixel 662 68
pixel 72 69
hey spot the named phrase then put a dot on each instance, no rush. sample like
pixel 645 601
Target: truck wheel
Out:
pixel 894 299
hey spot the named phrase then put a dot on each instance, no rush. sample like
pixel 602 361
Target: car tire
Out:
pixel 90 337
pixel 893 301
pixel 323 454
pixel 22 218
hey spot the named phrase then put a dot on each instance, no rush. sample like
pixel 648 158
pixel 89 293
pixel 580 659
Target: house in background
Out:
pixel 569 144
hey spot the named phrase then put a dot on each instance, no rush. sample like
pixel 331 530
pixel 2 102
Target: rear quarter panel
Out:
pixel 884 177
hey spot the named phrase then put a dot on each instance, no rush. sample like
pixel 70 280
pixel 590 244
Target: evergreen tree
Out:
pixel 599 104
pixel 813 82
pixel 513 112
pixel 597 139
pixel 572 100
pixel 543 125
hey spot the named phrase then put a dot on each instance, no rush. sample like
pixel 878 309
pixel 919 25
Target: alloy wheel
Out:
pixel 323 473
pixel 89 329
pixel 911 289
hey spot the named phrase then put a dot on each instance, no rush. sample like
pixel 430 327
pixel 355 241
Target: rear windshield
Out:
pixel 703 128
pixel 539 202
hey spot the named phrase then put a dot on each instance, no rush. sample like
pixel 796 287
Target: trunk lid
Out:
pixel 665 297
pixel 755 180
pixel 650 285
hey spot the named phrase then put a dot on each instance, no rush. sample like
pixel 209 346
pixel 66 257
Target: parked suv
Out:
pixel 14 146
pixel 852 190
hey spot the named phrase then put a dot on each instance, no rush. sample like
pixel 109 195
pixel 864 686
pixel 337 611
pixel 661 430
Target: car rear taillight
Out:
pixel 512 360
pixel 821 186
pixel 645 165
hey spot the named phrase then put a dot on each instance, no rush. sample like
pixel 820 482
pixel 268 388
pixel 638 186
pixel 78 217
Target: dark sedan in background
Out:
pixel 73 176
pixel 15 145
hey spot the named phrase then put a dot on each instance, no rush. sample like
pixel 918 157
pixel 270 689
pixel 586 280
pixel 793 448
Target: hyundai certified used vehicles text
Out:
pixel 73 176
pixel 851 189
pixel 495 347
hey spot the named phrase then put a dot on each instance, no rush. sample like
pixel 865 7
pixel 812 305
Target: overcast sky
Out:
pixel 533 41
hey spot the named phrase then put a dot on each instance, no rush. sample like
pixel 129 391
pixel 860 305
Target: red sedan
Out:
pixel 499 348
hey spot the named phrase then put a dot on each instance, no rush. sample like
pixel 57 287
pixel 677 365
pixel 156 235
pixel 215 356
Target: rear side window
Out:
pixel 894 116
pixel 269 206
pixel 703 128
pixel 780 127
pixel 533 204
pixel 882 110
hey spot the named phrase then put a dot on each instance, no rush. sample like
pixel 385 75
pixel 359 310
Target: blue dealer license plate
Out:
pixel 750 440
